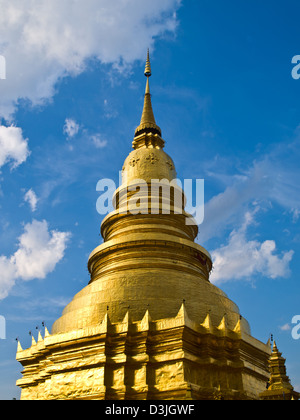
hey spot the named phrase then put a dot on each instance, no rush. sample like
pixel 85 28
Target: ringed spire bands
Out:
pixel 148 72
pixel 148 123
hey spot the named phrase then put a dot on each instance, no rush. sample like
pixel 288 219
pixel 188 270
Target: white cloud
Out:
pixel 13 147
pixel 43 41
pixel 8 276
pixel 31 198
pixel 295 214
pixel 98 142
pixel 71 128
pixel 39 251
pixel 226 208
pixel 272 179
pixel 243 259
pixel 285 327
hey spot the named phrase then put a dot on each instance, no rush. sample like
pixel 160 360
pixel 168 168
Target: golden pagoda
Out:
pixel 279 386
pixel 149 325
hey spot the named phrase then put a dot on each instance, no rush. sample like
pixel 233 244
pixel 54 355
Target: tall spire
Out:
pixel 148 123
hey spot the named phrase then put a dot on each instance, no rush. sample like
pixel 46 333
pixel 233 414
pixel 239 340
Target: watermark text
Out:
pixel 2 68
pixel 155 197
pixel 296 329
pixel 2 328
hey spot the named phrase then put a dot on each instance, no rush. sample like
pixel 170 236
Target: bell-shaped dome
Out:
pixel 149 259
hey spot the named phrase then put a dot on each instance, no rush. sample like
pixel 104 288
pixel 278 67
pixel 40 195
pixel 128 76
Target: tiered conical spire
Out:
pixel 279 378
pixel 279 387
pixel 148 123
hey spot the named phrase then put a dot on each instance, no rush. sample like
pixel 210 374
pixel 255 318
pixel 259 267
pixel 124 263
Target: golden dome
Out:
pixel 148 261
pixel 148 163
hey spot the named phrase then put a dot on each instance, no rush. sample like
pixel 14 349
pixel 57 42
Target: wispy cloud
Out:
pixel 241 258
pixel 37 309
pixel 285 327
pixel 271 179
pixel 98 142
pixel 71 128
pixel 31 198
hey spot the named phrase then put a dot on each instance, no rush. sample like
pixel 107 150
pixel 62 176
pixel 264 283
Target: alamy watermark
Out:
pixel 296 329
pixel 2 68
pixel 155 197
pixel 2 328
pixel 296 68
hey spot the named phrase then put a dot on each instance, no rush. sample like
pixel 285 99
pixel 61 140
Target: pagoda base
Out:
pixel 169 359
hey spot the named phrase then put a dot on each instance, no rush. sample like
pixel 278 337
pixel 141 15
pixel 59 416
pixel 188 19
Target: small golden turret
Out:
pixel 279 386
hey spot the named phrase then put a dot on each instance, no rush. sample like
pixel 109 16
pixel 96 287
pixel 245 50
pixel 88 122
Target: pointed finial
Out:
pixel 182 311
pixel 40 338
pixel 275 349
pixel 106 322
pixel 126 319
pixel 207 324
pixel 223 324
pixel 238 328
pixel 33 342
pixel 148 72
pixel 46 332
pixel 145 322
pixel 19 348
pixel 148 123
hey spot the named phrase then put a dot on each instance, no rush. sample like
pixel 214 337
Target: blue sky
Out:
pixel 229 110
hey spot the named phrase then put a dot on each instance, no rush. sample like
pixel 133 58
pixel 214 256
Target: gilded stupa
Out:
pixel 279 387
pixel 149 325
